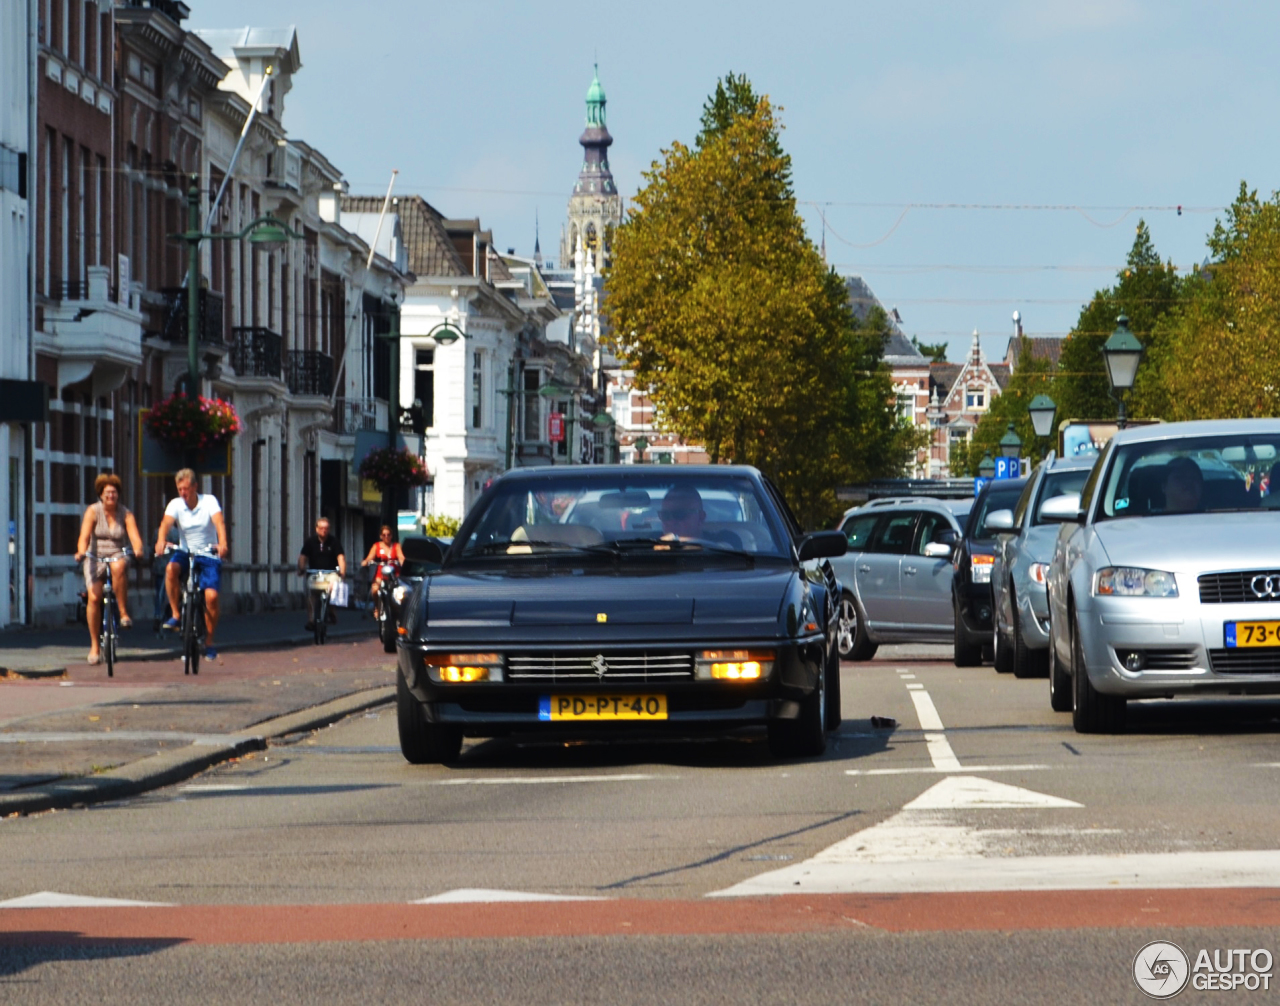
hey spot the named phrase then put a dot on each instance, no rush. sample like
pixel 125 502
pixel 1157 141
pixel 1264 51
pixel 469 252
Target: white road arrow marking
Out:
pixel 52 899
pixel 965 791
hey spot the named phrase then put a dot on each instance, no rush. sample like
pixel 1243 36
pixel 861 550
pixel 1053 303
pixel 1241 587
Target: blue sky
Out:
pixel 930 135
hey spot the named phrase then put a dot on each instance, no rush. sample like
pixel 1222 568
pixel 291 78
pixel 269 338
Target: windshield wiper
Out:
pixel 669 545
pixel 504 547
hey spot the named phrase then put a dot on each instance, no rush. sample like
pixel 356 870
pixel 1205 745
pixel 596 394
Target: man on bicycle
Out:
pixel 322 551
pixel 198 517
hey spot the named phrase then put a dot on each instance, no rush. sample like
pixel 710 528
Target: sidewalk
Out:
pixel 71 736
pixel 34 652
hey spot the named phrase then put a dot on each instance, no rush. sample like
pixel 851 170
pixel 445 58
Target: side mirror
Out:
pixel 823 545
pixel 937 550
pixel 1064 509
pixel 999 520
pixel 947 537
pixel 422 550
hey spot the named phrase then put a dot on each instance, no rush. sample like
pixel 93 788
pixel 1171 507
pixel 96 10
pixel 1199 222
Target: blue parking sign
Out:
pixel 1006 468
pixel 978 483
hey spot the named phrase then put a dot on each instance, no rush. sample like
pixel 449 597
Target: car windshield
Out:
pixel 1193 475
pixel 1003 497
pixel 1060 484
pixel 630 516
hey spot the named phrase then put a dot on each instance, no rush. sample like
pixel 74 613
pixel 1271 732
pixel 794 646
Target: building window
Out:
pixel 424 385
pixel 975 400
pixel 959 437
pixel 907 409
pixel 622 406
pixel 533 406
pixel 477 390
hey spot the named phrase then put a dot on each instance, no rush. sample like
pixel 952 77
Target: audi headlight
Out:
pixel 1133 581
pixel 400 593
pixel 1039 572
pixel 980 568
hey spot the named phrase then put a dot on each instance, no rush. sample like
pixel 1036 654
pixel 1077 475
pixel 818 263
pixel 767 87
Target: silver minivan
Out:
pixel 897 573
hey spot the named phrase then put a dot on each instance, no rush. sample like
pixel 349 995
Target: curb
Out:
pixel 148 656
pixel 175 766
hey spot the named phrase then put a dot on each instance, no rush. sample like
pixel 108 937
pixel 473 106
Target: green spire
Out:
pixel 595 101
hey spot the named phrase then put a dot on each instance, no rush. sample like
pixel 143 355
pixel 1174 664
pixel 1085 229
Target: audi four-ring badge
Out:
pixel 622 602
pixel 1165 577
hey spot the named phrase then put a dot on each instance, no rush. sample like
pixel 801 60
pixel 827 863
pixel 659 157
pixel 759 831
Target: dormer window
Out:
pixel 975 400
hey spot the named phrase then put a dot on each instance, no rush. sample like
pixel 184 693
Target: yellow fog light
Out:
pixel 456 668
pixel 734 665
pixel 452 673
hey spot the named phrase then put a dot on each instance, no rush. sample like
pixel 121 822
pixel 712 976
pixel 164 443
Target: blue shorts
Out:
pixel 208 570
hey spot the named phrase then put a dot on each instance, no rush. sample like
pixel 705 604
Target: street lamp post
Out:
pixel 1042 410
pixel 264 232
pixel 987 467
pixel 555 391
pixel 1122 352
pixel 1011 444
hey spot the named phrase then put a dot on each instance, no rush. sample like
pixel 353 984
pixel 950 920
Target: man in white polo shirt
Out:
pixel 200 527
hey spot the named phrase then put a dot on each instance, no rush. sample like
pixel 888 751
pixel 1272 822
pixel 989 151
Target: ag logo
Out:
pixel 1161 969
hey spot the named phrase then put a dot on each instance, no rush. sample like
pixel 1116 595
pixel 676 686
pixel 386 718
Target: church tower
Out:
pixel 595 208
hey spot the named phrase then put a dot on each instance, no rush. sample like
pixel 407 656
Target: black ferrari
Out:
pixel 623 600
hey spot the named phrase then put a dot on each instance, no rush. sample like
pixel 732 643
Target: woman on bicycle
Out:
pixel 103 531
pixel 383 550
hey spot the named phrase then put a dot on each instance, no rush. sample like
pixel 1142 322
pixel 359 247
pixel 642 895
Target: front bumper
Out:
pixel 1181 643
pixel 974 601
pixel 489 708
pixel 1033 616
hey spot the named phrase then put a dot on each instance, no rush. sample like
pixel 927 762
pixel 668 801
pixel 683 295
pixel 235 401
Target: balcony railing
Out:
pixel 309 372
pixel 78 289
pixel 257 352
pixel 175 316
pixel 356 415
pixel 174 9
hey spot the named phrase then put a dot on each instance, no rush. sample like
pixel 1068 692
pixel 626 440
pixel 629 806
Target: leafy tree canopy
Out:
pixel 936 352
pixel 724 310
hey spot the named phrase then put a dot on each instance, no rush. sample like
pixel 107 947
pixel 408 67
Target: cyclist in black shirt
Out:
pixel 321 551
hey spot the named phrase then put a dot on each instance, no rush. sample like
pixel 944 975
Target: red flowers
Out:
pixel 193 424
pixel 393 468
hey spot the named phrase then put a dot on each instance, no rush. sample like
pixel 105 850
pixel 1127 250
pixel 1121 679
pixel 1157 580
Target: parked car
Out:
pixel 1024 545
pixel 1165 577
pixel 971 579
pixel 640 615
pixel 896 575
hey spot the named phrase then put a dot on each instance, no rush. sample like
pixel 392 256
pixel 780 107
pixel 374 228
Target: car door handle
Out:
pixel 908 571
pixel 864 569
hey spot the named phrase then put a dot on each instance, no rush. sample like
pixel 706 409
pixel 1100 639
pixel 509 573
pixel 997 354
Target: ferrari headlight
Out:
pixel 1039 572
pixel 399 593
pixel 734 665
pixel 458 668
pixel 1133 581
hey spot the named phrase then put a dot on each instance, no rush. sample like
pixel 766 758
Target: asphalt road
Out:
pixel 978 847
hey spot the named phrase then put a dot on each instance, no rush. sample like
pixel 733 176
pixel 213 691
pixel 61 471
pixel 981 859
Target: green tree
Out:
pixel 935 351
pixel 724 310
pixel 1218 353
pixel 1146 290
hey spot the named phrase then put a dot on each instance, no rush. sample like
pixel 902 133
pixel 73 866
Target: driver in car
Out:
pixel 1183 486
pixel 681 514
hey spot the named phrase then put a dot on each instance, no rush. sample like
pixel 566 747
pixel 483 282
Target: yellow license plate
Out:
pixel 1243 634
pixel 559 708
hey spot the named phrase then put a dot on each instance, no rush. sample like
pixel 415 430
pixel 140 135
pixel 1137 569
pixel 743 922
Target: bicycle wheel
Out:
pixel 322 622
pixel 190 653
pixel 107 637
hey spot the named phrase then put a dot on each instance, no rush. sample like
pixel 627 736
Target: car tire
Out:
pixel 806 735
pixel 423 743
pixel 966 654
pixel 1027 663
pixel 1060 697
pixel 853 631
pixel 1001 653
pixel 1092 712
pixel 833 715
pixel 387 633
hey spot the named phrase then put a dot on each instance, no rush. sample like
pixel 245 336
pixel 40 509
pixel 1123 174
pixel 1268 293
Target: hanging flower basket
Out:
pixel 199 424
pixel 394 468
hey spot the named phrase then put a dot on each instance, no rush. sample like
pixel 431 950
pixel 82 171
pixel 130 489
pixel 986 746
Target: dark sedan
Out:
pixel 619 600
pixel 971 585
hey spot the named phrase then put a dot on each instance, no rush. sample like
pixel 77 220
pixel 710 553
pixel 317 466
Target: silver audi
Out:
pixel 1024 546
pixel 1165 577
